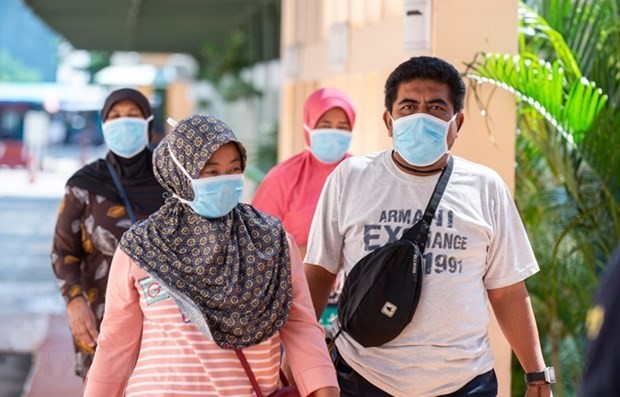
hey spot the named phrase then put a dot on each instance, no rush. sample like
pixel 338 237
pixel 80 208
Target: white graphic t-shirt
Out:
pixel 477 242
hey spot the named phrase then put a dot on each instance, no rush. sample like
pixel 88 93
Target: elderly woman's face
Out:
pixel 124 108
pixel 224 161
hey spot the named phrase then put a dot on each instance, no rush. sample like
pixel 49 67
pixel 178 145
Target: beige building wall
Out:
pixel 372 46
pixel 179 101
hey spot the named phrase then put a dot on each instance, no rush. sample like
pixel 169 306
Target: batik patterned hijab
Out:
pixel 231 275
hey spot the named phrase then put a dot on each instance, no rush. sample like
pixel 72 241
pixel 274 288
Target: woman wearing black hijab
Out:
pixel 93 215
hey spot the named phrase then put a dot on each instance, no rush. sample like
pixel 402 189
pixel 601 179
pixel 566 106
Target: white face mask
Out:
pixel 215 196
pixel 329 145
pixel 421 139
pixel 126 136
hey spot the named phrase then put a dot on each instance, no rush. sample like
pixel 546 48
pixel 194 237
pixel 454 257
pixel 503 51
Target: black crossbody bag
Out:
pixel 382 291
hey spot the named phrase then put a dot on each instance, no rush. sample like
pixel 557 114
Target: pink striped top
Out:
pixel 147 348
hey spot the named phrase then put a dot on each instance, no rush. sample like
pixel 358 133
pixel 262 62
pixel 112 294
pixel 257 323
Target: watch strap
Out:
pixel 547 375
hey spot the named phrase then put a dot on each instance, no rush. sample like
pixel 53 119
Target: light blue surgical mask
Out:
pixel 126 136
pixel 329 145
pixel 421 139
pixel 215 196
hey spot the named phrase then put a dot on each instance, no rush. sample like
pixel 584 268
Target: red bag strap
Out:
pixel 283 378
pixel 249 373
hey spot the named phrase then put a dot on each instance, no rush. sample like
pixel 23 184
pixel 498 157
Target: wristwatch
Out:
pixel 547 375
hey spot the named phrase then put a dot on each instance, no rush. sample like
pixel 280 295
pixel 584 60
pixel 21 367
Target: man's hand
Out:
pixel 538 390
pixel 326 392
pixel 83 324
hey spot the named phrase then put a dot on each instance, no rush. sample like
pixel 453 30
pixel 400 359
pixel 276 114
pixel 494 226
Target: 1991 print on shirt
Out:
pixel 384 230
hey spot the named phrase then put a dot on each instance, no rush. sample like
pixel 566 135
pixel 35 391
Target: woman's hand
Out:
pixel 83 324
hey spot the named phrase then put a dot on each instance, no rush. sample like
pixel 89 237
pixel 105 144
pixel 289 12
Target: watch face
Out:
pixel 550 375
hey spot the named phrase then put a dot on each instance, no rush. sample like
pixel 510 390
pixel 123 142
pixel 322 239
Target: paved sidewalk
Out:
pixel 52 373
pixel 32 313
pixel 14 369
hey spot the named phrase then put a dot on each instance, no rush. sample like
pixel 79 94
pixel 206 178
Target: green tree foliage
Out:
pixel 223 63
pixel 265 156
pixel 98 61
pixel 567 81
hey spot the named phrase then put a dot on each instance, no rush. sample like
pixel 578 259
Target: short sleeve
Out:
pixel 510 257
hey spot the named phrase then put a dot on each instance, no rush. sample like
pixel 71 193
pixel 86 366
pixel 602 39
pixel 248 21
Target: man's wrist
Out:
pixel 546 376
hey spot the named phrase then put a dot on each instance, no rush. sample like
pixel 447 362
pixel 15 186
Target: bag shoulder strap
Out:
pixel 248 372
pixel 419 232
pixel 121 192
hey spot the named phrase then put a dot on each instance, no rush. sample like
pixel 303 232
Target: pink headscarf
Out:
pixel 291 190
pixel 322 100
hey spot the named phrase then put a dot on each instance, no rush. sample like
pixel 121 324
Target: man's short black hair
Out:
pixel 426 68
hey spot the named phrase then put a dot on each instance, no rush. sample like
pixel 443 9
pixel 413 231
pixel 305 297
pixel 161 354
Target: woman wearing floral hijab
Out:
pixel 202 277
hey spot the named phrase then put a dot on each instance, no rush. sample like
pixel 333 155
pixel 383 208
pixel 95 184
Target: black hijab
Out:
pixel 136 173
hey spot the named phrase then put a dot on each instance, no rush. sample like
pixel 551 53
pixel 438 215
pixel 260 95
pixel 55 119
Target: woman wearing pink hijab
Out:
pixel 291 190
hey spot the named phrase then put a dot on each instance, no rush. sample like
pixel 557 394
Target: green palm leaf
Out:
pixel 571 107
pixel 567 80
pixel 535 27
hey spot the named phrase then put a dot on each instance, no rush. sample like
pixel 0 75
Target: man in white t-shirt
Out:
pixel 477 251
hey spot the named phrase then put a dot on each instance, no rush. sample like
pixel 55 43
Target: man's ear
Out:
pixel 460 119
pixel 387 120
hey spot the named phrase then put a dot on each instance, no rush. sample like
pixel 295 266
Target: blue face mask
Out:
pixel 421 139
pixel 329 145
pixel 215 196
pixel 126 136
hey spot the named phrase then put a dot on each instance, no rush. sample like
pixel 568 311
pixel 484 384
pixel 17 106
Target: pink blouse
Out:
pixel 147 347
pixel 291 190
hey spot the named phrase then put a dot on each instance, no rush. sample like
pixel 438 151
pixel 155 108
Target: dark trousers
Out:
pixel 353 384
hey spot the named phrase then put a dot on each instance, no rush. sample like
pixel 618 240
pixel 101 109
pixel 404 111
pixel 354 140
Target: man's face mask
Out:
pixel 215 196
pixel 329 145
pixel 126 136
pixel 421 139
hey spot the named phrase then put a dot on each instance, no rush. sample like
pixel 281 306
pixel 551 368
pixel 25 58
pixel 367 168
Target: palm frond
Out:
pixel 538 28
pixel 571 107
pixel 567 179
